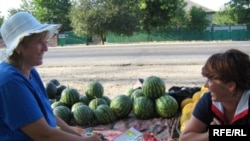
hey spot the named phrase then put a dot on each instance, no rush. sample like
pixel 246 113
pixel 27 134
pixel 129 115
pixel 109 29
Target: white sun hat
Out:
pixel 22 24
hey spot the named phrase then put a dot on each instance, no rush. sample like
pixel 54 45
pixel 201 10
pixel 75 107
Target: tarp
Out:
pixel 162 129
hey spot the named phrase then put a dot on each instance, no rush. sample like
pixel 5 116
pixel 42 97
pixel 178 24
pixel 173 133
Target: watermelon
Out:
pixel 63 112
pixel 74 106
pixel 55 81
pixel 143 107
pixel 51 90
pixel 51 101
pixel 107 99
pixel 104 114
pixel 153 87
pixel 84 99
pixel 166 106
pixel 94 89
pixel 70 96
pixel 83 115
pixel 57 103
pixel 121 105
pixel 136 93
pixel 59 90
pixel 96 102
pixel 129 91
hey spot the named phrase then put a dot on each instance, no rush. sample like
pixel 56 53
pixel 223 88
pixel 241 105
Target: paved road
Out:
pixel 139 54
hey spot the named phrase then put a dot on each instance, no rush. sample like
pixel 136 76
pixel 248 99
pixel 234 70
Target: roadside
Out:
pixel 118 78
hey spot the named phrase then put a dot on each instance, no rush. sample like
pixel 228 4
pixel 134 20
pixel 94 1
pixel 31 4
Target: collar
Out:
pixel 241 110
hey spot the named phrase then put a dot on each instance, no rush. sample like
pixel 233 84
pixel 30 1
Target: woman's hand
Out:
pixel 96 137
pixel 215 122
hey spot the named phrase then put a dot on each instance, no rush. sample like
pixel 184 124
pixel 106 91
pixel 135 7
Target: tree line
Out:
pixel 124 17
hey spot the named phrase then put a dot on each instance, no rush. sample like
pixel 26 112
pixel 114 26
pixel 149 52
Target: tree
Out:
pixel 49 11
pixel 242 9
pixel 123 16
pixel 197 18
pixel 179 19
pixel 98 17
pixel 225 16
pixel 156 13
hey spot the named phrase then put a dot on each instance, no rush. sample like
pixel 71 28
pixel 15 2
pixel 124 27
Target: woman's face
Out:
pixel 220 91
pixel 32 53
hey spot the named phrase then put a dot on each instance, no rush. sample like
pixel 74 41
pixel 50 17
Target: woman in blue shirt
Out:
pixel 25 112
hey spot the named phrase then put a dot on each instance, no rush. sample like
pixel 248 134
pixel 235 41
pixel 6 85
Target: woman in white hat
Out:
pixel 25 112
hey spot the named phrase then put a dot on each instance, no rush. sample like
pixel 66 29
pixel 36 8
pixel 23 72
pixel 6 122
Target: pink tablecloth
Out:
pixel 162 129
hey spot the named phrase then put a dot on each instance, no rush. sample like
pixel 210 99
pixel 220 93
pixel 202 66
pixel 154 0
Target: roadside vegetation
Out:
pixel 100 17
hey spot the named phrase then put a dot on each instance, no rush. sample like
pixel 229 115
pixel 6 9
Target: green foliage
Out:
pixel 242 10
pixel 179 19
pixel 27 5
pixel 197 18
pixel 225 17
pixel 90 17
pixel 49 11
pixel 156 13
pixel 102 16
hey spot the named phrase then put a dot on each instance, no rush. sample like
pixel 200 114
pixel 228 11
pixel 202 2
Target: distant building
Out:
pixel 209 12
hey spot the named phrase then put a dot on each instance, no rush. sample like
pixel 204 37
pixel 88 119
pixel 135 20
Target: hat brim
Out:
pixel 51 28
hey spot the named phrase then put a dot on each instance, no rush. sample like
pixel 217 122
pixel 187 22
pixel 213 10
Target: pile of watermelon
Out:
pixel 86 109
pixel 148 101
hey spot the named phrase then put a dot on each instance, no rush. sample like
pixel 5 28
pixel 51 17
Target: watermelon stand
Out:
pixel 118 115
pixel 162 129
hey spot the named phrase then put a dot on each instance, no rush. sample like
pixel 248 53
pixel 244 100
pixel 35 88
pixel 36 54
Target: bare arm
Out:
pixel 64 126
pixel 195 131
pixel 41 131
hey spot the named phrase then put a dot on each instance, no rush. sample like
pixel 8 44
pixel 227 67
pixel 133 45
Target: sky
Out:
pixel 5 5
pixel 212 4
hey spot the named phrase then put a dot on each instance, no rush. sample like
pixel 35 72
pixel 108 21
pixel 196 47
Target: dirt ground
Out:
pixel 116 79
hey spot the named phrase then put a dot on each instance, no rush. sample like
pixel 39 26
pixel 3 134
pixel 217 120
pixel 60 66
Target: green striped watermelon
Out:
pixel 84 99
pixel 166 106
pixel 63 112
pixel 74 106
pixel 136 93
pixel 143 107
pixel 83 115
pixel 94 89
pixel 129 91
pixel 55 81
pixel 107 99
pixel 57 103
pixel 59 88
pixel 51 90
pixel 104 114
pixel 121 105
pixel 153 87
pixel 94 103
pixel 70 96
